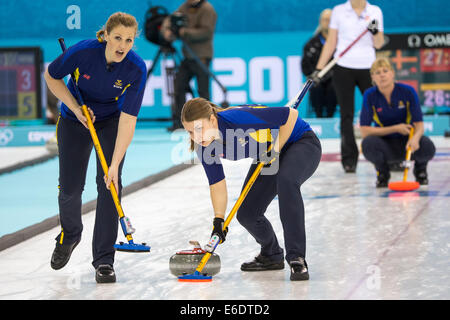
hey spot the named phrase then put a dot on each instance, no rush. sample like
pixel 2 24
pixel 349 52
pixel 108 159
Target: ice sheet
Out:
pixel 362 243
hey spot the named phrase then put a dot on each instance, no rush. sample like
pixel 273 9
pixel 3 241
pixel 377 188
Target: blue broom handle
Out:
pixel 72 76
pixel 294 103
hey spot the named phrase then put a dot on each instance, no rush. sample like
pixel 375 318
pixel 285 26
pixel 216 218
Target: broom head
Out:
pixel 403 185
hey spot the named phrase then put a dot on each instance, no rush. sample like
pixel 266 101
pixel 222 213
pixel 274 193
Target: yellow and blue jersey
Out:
pixel 246 132
pixel 404 108
pixel 106 89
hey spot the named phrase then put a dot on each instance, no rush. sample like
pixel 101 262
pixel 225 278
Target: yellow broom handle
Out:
pixel 101 156
pixel 408 155
pixel 243 194
pixel 203 262
pixel 235 208
pixel 233 211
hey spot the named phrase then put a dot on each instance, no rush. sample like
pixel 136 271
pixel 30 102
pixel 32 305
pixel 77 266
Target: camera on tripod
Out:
pixel 177 21
pixel 154 18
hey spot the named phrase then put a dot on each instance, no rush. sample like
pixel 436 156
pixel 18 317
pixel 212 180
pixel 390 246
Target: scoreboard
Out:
pixel 20 83
pixel 422 60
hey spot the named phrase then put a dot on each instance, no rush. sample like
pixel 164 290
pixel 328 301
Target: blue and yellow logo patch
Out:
pixel 118 84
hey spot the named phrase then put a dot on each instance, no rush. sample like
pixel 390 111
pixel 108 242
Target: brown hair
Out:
pixel 380 63
pixel 114 20
pixel 198 108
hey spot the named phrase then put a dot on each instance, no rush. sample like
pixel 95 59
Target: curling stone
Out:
pixel 186 261
pixel 52 146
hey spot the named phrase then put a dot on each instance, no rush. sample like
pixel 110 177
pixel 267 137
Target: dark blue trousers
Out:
pixel 381 151
pixel 298 161
pixel 75 147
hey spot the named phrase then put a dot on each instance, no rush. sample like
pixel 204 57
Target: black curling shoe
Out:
pixel 382 179
pixel 421 177
pixel 105 274
pixel 299 269
pixel 61 254
pixel 262 263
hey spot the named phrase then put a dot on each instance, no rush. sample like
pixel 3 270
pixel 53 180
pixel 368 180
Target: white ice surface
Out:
pixel 361 243
pixel 10 156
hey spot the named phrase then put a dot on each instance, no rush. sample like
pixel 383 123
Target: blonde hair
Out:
pixel 319 27
pixel 196 109
pixel 115 20
pixel 381 62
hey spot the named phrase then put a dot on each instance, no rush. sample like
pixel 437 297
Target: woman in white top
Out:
pixel 347 22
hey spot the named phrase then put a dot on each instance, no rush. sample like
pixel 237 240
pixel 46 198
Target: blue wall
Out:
pixel 246 30
pixel 47 18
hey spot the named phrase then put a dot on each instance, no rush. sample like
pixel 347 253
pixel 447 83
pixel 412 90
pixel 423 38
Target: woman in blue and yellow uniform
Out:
pixel 111 78
pixel 247 131
pixel 394 109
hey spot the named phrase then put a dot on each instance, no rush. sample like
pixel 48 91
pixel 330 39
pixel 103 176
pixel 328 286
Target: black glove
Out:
pixel 218 229
pixel 315 77
pixel 373 27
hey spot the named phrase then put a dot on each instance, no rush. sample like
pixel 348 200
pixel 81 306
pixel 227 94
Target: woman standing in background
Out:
pixel 321 96
pixel 347 22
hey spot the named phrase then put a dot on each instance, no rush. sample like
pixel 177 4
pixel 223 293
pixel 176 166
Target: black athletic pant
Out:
pixel 187 70
pixel 75 147
pixel 345 80
pixel 323 99
pixel 298 162
pixel 381 150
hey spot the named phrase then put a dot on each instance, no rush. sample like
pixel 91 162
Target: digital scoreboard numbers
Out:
pixel 20 83
pixel 422 60
pixel 436 88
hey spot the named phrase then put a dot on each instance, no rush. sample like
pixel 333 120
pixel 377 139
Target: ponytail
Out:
pixel 100 35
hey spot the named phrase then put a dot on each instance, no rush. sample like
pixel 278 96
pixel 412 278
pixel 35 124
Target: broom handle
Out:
pixel 102 159
pixel 233 211
pixel 408 155
pixel 295 101
pixel 243 194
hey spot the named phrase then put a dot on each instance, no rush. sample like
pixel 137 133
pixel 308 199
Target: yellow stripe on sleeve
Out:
pixel 375 117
